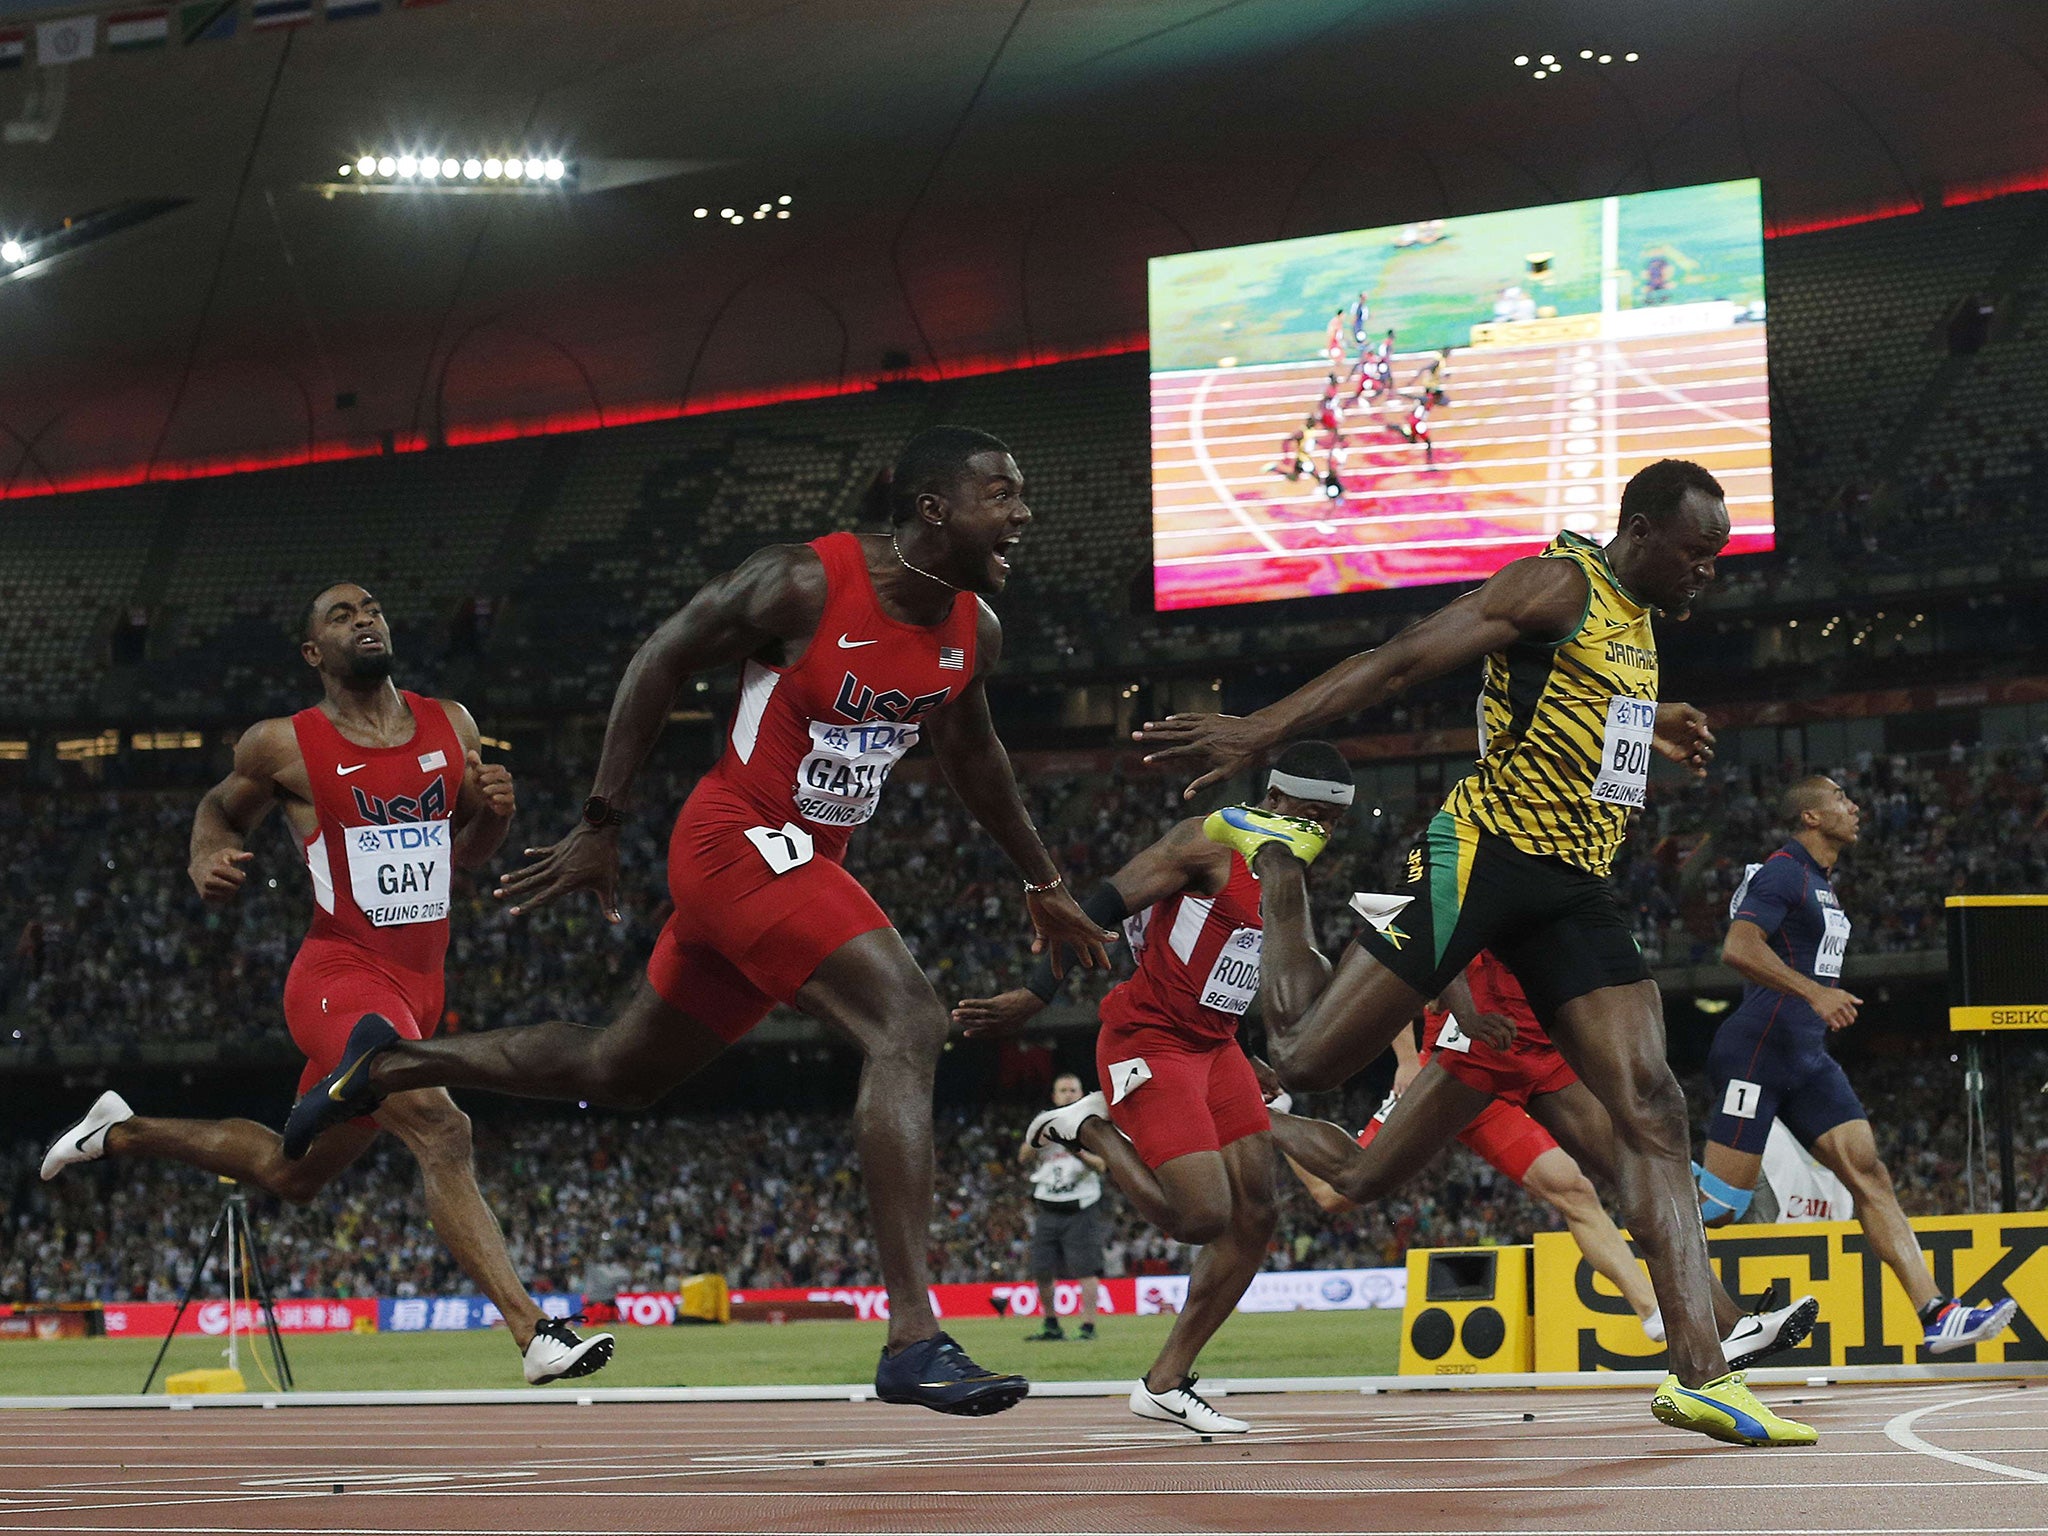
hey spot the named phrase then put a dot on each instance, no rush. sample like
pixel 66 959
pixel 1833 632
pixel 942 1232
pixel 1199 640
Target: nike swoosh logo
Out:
pixel 846 644
pixel 339 1092
pixel 80 1143
pixel 345 772
pixel 1164 1409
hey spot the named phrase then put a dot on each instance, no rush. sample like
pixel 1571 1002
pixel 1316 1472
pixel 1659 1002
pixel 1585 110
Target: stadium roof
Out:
pixel 973 183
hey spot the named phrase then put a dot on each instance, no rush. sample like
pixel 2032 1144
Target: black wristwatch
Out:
pixel 600 812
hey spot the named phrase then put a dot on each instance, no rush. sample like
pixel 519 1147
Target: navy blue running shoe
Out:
pixel 344 1093
pixel 935 1373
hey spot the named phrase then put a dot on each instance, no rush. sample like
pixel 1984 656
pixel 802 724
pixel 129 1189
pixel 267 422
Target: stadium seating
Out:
pixel 68 569
pixel 583 543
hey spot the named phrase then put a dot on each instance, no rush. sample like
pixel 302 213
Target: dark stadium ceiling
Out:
pixel 973 182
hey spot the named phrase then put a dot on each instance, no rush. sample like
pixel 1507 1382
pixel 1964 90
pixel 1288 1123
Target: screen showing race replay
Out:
pixel 1423 403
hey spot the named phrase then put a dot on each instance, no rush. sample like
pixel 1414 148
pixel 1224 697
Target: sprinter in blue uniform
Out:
pixel 1787 935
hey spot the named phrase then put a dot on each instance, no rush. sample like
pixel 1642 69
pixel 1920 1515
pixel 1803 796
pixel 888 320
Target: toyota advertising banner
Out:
pixel 1306 1290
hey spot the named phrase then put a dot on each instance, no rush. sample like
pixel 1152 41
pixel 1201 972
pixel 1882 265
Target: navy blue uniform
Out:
pixel 1770 1059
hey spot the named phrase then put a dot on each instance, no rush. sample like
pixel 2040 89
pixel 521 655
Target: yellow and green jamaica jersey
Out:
pixel 1565 728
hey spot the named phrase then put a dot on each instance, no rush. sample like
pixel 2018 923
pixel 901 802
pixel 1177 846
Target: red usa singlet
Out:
pixel 383 851
pixel 1198 962
pixel 811 744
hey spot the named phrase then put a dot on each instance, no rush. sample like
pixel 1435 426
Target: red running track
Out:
pixel 1967 1459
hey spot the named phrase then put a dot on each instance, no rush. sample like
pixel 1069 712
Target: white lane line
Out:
pixel 1473 360
pixel 1392 546
pixel 1469 406
pixel 1649 382
pixel 1223 493
pixel 1469 427
pixel 1900 1432
pixel 1251 448
pixel 1478 508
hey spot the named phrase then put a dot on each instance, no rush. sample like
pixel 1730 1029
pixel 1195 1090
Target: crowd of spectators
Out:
pixel 774 1199
pixel 111 944
pixel 1958 821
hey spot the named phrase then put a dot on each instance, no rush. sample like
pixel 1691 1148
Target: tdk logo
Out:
pixel 407 837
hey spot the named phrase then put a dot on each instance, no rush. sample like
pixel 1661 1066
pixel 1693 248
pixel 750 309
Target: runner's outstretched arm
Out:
pixel 1181 860
pixel 975 763
pixel 1532 599
pixel 774 599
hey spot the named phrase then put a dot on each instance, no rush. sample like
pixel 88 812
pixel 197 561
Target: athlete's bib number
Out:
pixel 782 848
pixel 1741 1100
pixel 398 873
pixel 1452 1038
pixel 1834 943
pixel 1234 978
pixel 840 781
pixel 1625 751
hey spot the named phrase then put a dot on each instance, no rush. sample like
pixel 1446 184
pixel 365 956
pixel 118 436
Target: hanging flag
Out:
pixel 66 41
pixel 208 21
pixel 348 10
pixel 13 48
pixel 280 13
pixel 138 29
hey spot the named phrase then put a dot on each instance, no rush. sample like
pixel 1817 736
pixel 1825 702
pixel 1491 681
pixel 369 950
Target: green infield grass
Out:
pixel 741 1354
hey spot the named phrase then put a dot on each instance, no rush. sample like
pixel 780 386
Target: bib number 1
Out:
pixel 782 848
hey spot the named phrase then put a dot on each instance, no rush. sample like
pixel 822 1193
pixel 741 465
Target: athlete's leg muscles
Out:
pixel 1421 1124
pixel 437 1135
pixel 871 991
pixel 244 1151
pixel 1560 1183
pixel 1322 1026
pixel 1225 1266
pixel 628 1064
pixel 1582 1126
pixel 1614 1039
pixel 1187 1197
pixel 1849 1151
pixel 1318 1150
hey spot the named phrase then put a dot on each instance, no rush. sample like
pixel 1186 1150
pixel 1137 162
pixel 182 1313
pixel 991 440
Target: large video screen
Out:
pixel 1422 403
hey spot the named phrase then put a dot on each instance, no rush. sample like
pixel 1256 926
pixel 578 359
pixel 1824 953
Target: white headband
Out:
pixel 1322 791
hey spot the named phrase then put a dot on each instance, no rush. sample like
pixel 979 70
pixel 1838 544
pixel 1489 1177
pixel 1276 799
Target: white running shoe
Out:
pixel 1957 1326
pixel 1760 1335
pixel 1184 1406
pixel 86 1142
pixel 1064 1124
pixel 1653 1326
pixel 558 1351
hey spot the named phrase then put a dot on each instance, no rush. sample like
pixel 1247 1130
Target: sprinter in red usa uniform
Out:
pixel 1183 1124
pixel 851 648
pixel 386 793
